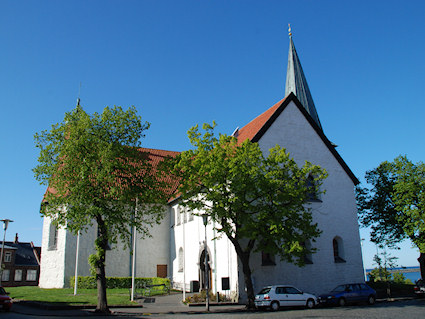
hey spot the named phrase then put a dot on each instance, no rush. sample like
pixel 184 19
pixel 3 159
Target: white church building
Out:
pixel 176 249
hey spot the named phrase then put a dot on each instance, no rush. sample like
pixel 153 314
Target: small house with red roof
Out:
pixel 176 249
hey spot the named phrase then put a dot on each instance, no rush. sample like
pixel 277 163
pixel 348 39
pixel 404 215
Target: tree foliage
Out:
pixel 95 174
pixel 394 205
pixel 257 201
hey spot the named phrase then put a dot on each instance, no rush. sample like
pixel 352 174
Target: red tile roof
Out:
pixel 155 157
pixel 255 129
pixel 252 128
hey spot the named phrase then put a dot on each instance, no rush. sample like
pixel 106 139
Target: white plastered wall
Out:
pixel 223 258
pixel 336 215
pixel 58 265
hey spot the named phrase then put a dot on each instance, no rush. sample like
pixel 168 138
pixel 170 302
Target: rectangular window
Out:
pixel 5 275
pixel 184 216
pixel 7 257
pixel 18 274
pixel 53 237
pixel 267 259
pixel 31 275
pixel 178 216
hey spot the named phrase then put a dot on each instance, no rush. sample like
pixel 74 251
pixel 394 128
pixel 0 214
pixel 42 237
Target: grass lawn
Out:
pixel 66 296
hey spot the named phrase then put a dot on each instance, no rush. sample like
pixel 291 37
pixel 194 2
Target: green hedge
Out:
pixel 392 289
pixel 89 282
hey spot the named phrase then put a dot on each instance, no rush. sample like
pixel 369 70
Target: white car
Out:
pixel 277 296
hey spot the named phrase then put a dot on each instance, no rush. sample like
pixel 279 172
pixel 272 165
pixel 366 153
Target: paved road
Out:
pixel 407 309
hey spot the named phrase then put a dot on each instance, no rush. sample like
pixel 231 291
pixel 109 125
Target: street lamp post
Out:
pixel 6 223
pixel 207 297
pixel 364 267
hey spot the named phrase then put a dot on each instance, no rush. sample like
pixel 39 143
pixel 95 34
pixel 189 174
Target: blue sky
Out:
pixel 187 62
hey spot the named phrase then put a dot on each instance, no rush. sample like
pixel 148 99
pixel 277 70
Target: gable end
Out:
pixel 279 110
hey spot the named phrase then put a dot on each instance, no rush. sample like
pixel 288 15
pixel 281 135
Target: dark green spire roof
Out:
pixel 297 83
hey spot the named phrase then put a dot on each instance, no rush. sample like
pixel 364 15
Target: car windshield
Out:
pixel 2 292
pixel 264 291
pixel 340 288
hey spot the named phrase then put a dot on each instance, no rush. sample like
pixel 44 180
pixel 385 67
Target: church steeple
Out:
pixel 297 83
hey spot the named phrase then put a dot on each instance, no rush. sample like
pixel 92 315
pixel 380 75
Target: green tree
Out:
pixel 96 174
pixel 384 261
pixel 258 202
pixel 394 205
pixel 400 278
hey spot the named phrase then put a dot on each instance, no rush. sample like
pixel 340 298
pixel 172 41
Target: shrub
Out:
pixel 89 282
pixel 200 297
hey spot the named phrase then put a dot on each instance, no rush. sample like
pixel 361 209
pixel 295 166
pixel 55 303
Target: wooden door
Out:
pixel 161 271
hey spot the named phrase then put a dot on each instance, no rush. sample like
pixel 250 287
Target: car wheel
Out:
pixel 371 300
pixel 342 302
pixel 310 304
pixel 274 306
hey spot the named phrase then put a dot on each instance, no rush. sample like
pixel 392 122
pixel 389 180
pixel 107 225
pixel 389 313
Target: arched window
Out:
pixel 338 248
pixel 181 260
pixel 312 194
pixel 308 258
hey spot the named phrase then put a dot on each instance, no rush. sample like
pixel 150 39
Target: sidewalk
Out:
pixel 173 304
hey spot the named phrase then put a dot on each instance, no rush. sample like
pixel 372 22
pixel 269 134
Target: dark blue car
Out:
pixel 349 293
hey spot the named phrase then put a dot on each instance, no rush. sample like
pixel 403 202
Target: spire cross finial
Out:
pixel 78 99
pixel 289 30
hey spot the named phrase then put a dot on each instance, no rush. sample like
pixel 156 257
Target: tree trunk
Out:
pixel 421 260
pixel 101 245
pixel 248 280
pixel 244 258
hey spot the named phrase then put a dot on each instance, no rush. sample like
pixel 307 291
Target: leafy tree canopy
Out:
pixel 394 204
pixel 92 161
pixel 95 172
pixel 257 201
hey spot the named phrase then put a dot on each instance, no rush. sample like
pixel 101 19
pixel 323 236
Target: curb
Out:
pixel 42 305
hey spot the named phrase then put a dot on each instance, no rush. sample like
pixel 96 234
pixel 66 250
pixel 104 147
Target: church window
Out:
pixel 181 260
pixel 31 275
pixel 267 259
pixel 312 189
pixel 184 216
pixel 190 216
pixel 18 274
pixel 338 249
pixel 308 258
pixel 53 237
pixel 178 216
pixel 8 257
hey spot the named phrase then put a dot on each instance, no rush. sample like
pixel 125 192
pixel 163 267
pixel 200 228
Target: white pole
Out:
pixel 134 256
pixel 184 259
pixel 1 256
pixel 215 263
pixel 6 223
pixel 76 263
pixel 207 297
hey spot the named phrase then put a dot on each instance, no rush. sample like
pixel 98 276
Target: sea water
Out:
pixel 413 276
